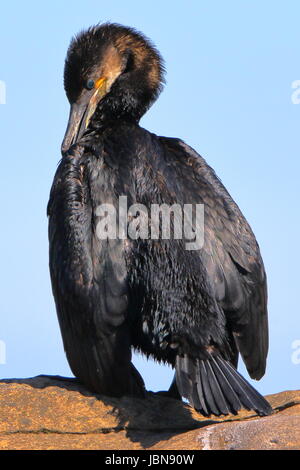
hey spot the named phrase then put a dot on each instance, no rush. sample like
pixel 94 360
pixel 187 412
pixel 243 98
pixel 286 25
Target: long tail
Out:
pixel 214 386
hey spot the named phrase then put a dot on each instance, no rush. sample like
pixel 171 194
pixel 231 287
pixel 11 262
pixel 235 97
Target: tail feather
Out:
pixel 247 394
pixel 252 394
pixel 183 381
pixel 220 399
pixel 214 386
pixel 208 387
pixel 229 392
pixel 199 392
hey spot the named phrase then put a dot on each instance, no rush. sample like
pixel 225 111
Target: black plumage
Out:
pixel 196 310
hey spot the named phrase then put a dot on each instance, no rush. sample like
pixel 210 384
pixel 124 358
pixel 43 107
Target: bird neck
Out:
pixel 118 107
pixel 106 119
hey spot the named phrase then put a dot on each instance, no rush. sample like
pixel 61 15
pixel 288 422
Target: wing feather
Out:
pixel 230 253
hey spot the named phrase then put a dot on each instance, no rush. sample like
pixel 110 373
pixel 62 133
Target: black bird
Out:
pixel 194 309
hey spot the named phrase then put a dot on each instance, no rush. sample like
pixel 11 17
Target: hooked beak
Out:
pixel 81 114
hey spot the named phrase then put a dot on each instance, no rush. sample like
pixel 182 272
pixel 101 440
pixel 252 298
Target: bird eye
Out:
pixel 90 84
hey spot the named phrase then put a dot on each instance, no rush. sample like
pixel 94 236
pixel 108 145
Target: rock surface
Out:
pixel 44 413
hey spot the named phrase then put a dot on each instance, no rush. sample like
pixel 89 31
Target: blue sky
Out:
pixel 230 68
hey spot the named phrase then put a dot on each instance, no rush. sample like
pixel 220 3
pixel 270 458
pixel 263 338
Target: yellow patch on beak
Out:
pixel 101 82
pixel 110 71
pixel 101 90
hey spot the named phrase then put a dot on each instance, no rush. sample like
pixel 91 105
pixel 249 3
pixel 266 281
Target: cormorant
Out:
pixel 194 309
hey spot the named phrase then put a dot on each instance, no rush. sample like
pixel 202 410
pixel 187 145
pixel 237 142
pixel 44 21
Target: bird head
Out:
pixel 111 72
